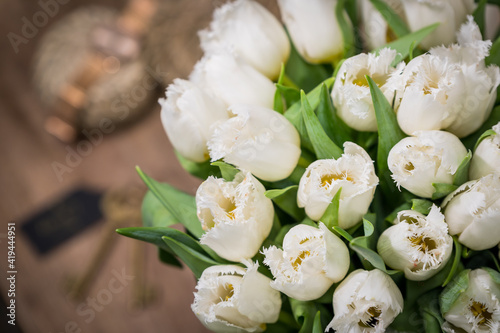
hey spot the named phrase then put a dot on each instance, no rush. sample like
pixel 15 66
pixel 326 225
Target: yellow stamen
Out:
pixel 423 242
pixel 480 311
pixel 374 313
pixel 299 259
pixel 230 291
pixel 327 180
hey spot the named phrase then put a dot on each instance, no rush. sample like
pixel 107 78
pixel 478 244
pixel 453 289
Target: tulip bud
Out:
pixel 473 212
pixel 353 172
pixel 366 301
pixel 476 308
pixel 258 140
pixel 231 299
pixel 449 88
pixel 188 109
pixel 314 29
pixel 416 244
pixel 486 158
pixel 375 30
pixel 235 215
pixel 311 261
pixel 450 14
pixel 426 158
pixel 252 32
pixel 231 79
pixel 351 93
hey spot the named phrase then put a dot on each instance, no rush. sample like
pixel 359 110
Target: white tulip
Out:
pixel 258 140
pixel 375 30
pixel 416 244
pixel 473 212
pixel 311 261
pixel 450 14
pixel 351 93
pixel 477 309
pixel 188 109
pixel 252 32
pixel 235 215
pixel 231 299
pixel 354 172
pixel 486 158
pixel 449 88
pixel 231 79
pixel 366 301
pixel 426 158
pixel 314 29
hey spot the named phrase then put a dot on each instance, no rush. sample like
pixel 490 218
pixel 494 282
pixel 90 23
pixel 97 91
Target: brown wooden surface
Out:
pixel 28 184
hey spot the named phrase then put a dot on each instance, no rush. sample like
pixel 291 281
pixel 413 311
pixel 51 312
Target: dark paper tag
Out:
pixel 63 220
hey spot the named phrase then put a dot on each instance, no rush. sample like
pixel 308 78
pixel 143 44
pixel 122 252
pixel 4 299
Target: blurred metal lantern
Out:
pixel 90 69
pixel 172 45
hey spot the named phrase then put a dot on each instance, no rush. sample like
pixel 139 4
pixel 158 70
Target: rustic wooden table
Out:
pixel 28 184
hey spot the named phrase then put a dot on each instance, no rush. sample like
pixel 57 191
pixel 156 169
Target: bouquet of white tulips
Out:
pixel 351 167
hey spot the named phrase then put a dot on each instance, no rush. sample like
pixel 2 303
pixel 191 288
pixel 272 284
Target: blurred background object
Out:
pixel 51 190
pixel 40 174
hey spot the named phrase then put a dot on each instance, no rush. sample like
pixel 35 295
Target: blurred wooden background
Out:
pixel 28 183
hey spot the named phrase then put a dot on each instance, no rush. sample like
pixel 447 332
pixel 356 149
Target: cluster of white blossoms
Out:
pixel 224 112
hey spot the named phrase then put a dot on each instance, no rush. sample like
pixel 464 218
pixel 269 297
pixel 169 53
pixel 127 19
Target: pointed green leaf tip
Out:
pixel 181 205
pixel 389 134
pixel 323 146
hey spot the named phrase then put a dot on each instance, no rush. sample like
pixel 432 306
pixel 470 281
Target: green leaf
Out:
pixel 201 170
pixel 331 215
pixel 289 94
pixel 286 199
pixel 494 57
pixel 303 74
pixel 347 236
pixel 368 254
pixel 228 171
pixel 368 228
pixel 195 260
pixel 462 174
pixel 346 29
pixel 421 205
pixel 393 20
pixel 154 214
pixel 317 328
pixel 479 16
pixel 278 98
pixel 456 261
pixel 181 205
pixel 168 258
pixel 294 113
pixel 389 134
pixel 403 44
pixel 453 291
pixel 304 313
pixel 154 236
pixel 429 310
pixel 334 127
pixel 441 190
pixel 323 146
pixel 483 136
pixel 271 194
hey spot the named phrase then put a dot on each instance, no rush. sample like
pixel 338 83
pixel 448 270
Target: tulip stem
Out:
pixel 288 320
